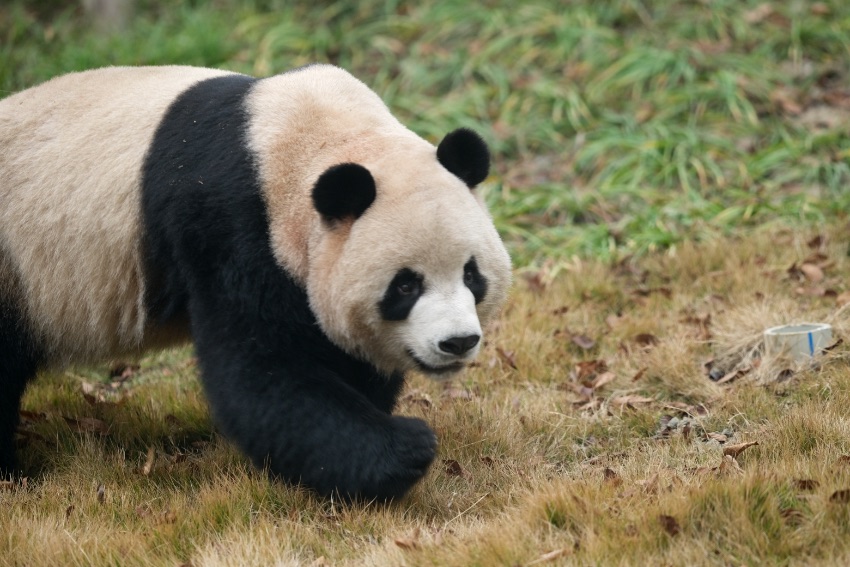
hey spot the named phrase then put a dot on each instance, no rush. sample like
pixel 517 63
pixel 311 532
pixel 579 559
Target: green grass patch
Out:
pixel 617 127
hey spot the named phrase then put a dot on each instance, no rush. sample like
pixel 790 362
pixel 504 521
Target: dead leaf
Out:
pixel 758 14
pixel 719 437
pixel 650 485
pixel 69 510
pixel 417 397
pixel 631 400
pixel 613 320
pixel 639 374
pixel 583 341
pixel 551 556
pixel 647 291
pixel 729 466
pixel 410 542
pixel 507 357
pixel 817 242
pixel 812 291
pixel 148 466
pixel 735 450
pixel 820 9
pixel 32 416
pixel 603 379
pixel 87 425
pixel 453 468
pixel 686 431
pixel 646 339
pixel 586 370
pixel 611 477
pixel 734 375
pixel 807 484
pixel 535 282
pixel 670 525
pixel 841 496
pixel 453 393
pixel 786 100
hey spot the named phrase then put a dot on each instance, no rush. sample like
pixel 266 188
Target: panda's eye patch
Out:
pixel 401 295
pixel 473 279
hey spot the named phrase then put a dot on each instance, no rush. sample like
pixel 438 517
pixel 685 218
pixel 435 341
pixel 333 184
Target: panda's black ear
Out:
pixel 343 191
pixel 465 154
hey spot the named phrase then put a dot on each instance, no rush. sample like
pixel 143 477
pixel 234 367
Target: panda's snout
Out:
pixel 458 346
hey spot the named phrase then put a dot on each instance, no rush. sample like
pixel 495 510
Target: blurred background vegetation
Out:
pixel 618 127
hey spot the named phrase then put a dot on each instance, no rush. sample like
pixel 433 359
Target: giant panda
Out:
pixel 313 248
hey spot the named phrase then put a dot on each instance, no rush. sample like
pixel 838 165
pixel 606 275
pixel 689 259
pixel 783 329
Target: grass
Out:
pixel 540 458
pixel 662 170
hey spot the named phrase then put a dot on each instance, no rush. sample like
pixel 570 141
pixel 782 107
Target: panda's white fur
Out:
pixel 76 256
pixel 69 210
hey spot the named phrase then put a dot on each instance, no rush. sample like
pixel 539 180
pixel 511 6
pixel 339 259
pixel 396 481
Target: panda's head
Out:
pixel 406 267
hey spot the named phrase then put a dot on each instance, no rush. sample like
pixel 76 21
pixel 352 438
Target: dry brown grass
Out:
pixel 536 465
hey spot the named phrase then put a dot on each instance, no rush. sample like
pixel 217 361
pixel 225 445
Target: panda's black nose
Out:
pixel 459 345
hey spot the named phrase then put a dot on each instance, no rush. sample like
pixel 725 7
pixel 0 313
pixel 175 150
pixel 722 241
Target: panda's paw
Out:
pixel 414 443
pixel 411 451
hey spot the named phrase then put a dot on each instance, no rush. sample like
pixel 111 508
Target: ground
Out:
pixel 589 432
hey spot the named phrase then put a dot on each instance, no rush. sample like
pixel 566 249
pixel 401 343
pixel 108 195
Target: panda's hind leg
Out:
pixel 18 364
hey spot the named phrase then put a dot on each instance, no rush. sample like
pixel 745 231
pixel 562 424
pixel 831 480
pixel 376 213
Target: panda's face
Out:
pixel 435 315
pixel 411 278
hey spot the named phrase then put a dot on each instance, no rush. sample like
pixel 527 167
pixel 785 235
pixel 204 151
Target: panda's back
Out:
pixel 70 177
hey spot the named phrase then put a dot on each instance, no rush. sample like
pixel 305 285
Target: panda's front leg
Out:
pixel 309 426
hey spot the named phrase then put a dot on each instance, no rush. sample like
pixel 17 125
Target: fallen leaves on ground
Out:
pixel 409 542
pixel 646 340
pixel 550 556
pixel 583 341
pixel 507 357
pixel 735 450
pixel 630 400
pixel 149 461
pixel 806 484
pixel 840 496
pixel 729 466
pixel 670 525
pixel 453 468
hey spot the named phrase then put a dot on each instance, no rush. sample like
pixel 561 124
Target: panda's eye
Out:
pixel 468 277
pixel 408 288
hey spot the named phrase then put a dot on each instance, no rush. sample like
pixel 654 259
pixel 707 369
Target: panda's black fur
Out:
pixel 290 398
pixel 208 250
